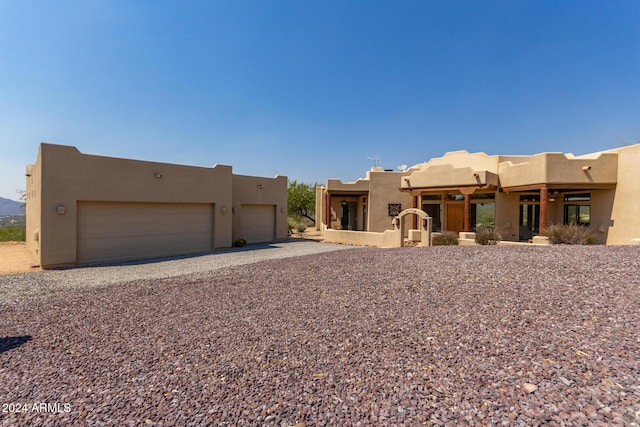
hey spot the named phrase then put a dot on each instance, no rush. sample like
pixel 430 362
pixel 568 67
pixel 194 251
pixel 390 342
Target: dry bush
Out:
pixel 445 238
pixel 487 236
pixel 563 234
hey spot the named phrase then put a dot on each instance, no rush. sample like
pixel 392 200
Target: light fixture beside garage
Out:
pixel 260 186
pixel 158 175
pixel 61 210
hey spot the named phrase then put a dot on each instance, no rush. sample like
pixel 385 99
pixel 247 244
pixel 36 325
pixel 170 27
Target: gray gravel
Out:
pixel 19 287
pixel 438 336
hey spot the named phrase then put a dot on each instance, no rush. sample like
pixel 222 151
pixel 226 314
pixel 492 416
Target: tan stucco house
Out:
pixel 85 209
pixel 518 195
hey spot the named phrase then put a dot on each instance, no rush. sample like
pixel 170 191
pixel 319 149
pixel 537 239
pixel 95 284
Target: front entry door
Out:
pixel 529 221
pixel 455 218
pixel 348 217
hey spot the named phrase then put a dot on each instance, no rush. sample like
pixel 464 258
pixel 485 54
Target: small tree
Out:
pixel 23 197
pixel 301 199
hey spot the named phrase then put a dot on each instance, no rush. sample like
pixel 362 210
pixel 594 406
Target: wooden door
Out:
pixel 455 217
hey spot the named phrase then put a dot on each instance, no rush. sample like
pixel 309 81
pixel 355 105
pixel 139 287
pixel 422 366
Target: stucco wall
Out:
pixel 507 215
pixel 33 206
pixel 68 176
pixel 463 159
pixel 385 189
pixel 263 191
pixel 601 208
pixel 559 168
pixel 625 213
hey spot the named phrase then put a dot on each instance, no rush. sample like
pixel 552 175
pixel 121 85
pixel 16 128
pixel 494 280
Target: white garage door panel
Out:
pixel 120 231
pixel 257 223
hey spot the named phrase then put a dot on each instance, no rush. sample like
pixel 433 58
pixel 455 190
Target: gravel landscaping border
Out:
pixel 502 335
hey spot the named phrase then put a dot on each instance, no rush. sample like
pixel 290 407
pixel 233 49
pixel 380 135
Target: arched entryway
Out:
pixel 424 225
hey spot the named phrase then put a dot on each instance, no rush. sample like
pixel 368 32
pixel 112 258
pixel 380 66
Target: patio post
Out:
pixel 327 210
pixel 543 209
pixel 466 226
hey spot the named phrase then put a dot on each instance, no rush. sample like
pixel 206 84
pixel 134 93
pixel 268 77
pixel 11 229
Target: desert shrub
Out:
pixel 572 234
pixel 297 223
pixel 487 236
pixel 444 238
pixel 239 243
pixel 13 234
pixel 291 224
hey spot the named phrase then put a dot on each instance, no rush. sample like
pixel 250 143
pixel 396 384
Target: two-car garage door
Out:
pixel 119 231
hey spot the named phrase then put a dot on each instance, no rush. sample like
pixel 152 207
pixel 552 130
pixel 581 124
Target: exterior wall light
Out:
pixel 223 210
pixel 158 175
pixel 61 210
pixel 260 186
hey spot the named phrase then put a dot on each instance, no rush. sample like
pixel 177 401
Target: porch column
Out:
pixel 327 210
pixel 415 217
pixel 543 209
pixel 466 226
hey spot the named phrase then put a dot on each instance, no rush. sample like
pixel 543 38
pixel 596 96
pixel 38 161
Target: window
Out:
pixel 483 210
pixel 577 197
pixel 433 210
pixel 577 212
pixel 482 215
pixel 531 198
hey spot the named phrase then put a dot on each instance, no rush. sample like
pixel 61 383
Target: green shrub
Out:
pixel 487 236
pixel 301 227
pixel 291 224
pixel 239 243
pixel 13 234
pixel 444 238
pixel 562 234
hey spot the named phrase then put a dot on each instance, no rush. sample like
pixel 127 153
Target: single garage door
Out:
pixel 124 231
pixel 256 223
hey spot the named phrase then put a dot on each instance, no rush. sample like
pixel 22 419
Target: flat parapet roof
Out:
pixel 558 168
pixel 357 186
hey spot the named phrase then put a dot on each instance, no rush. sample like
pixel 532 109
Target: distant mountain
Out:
pixel 10 207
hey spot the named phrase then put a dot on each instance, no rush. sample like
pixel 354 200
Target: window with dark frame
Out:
pixel 575 212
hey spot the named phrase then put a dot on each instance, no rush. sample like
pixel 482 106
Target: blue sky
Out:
pixel 310 89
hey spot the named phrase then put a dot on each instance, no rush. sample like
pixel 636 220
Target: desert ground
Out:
pixel 450 336
pixel 15 258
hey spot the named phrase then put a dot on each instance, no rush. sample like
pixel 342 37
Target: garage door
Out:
pixel 125 231
pixel 256 223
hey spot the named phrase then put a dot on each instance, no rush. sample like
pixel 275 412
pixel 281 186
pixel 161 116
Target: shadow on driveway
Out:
pixel 250 247
pixel 9 343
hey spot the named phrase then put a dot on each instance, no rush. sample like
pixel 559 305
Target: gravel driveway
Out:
pixel 19 287
pixel 503 335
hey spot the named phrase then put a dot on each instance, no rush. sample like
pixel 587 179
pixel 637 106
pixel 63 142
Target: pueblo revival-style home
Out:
pixel 85 209
pixel 520 196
